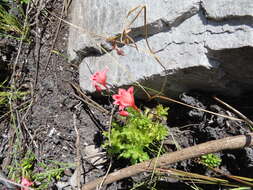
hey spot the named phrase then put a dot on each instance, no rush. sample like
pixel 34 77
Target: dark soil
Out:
pixel 56 110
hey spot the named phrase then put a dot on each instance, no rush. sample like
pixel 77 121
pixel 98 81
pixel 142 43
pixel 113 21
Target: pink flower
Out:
pixel 99 79
pixel 26 182
pixel 125 98
pixel 123 113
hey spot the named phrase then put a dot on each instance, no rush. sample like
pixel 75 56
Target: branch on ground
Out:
pixel 235 142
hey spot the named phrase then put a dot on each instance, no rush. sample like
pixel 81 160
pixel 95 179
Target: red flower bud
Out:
pixel 99 78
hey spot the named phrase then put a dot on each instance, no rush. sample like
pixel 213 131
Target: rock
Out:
pixel 73 180
pixel 202 45
pixel 193 101
pixel 63 185
pixel 223 9
pixel 94 155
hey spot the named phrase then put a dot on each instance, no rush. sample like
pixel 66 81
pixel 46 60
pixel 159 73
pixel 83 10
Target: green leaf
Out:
pixel 139 132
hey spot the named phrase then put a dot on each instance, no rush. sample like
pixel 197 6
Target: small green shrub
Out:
pixel 139 135
pixel 41 173
pixel 211 160
pixel 48 173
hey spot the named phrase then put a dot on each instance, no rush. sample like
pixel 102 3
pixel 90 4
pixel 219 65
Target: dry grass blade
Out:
pixel 107 173
pixel 137 15
pixel 78 153
pixel 200 109
pixel 110 165
pixel 87 100
pixel 150 51
pixel 66 6
pixel 235 178
pixel 247 120
pixel 179 173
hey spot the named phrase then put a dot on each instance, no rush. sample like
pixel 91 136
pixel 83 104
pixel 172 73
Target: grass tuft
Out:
pixel 10 23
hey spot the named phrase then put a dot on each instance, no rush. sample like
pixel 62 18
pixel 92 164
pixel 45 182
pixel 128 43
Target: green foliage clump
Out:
pixel 10 23
pixel 6 94
pixel 41 173
pixel 139 136
pixel 14 95
pixel 48 173
pixel 211 160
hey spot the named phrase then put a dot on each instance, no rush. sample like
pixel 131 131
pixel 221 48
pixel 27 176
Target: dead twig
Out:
pixel 87 100
pixel 106 175
pixel 235 178
pixel 247 120
pixel 169 158
pixel 37 43
pixel 110 165
pixel 190 106
pixel 178 173
pixel 110 124
pixel 66 6
pixel 78 153
pixel 55 37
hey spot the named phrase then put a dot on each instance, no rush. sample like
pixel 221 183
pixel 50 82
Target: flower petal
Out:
pixel 121 107
pixel 98 88
pixel 131 90
pixel 25 182
pixel 121 91
pixel 99 77
pixel 123 113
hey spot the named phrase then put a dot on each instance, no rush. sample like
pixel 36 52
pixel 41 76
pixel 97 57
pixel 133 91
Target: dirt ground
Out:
pixel 54 110
pixel 58 124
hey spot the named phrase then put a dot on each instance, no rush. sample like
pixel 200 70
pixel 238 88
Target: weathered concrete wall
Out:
pixel 205 45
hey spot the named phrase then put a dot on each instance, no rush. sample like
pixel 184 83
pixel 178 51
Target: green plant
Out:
pixel 211 160
pixel 139 136
pixel 41 173
pixel 27 164
pixel 48 172
pixel 15 95
pixel 6 94
pixel 24 1
pixel 10 23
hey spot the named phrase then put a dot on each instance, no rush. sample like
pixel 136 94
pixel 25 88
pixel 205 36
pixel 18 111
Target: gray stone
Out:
pixel 94 155
pixel 63 185
pixel 224 9
pixel 201 45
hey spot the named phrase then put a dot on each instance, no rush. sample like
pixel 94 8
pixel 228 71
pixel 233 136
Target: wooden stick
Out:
pixel 235 142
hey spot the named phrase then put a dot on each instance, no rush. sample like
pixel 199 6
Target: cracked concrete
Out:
pixel 202 45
